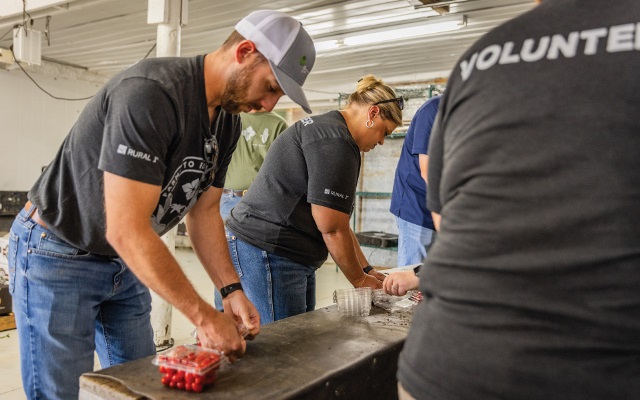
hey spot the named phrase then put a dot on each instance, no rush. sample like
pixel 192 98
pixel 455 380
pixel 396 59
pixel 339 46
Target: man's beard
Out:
pixel 235 92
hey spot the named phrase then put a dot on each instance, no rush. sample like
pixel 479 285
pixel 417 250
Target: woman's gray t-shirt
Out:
pixel 315 161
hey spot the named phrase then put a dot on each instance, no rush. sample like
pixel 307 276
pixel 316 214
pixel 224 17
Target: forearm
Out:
pixel 341 247
pixel 210 245
pixel 150 260
pixel 423 162
pixel 437 219
pixel 362 260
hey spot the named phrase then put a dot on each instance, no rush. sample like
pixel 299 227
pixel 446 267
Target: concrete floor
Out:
pixel 327 280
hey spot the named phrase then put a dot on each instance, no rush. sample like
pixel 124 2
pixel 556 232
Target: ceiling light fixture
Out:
pixel 27 45
pixel 438 25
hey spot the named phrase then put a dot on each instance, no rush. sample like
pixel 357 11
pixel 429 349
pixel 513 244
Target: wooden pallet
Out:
pixel 7 322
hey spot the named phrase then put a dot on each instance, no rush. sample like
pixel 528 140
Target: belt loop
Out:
pixel 31 208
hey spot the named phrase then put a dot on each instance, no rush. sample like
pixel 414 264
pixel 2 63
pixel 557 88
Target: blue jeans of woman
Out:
pixel 277 286
pixel 227 202
pixel 413 242
pixel 69 303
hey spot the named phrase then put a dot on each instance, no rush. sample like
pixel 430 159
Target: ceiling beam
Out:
pixel 9 8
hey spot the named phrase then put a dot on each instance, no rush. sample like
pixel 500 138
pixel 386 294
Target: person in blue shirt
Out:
pixel 409 196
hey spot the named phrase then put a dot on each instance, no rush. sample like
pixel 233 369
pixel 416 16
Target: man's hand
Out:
pixel 218 331
pixel 238 306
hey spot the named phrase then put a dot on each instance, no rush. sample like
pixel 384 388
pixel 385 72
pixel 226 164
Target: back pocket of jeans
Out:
pixel 10 252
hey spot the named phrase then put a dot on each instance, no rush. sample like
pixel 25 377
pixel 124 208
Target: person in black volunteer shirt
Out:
pixel 151 146
pixel 297 209
pixel 532 288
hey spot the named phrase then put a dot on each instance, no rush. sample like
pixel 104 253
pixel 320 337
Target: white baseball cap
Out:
pixel 288 47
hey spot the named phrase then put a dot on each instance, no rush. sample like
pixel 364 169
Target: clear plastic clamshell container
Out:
pixel 188 367
pixel 354 302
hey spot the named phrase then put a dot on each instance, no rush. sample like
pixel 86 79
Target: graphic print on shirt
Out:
pixel 265 135
pixel 188 182
pixel 248 133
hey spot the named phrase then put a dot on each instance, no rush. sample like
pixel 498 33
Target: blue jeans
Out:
pixel 69 303
pixel 227 202
pixel 413 241
pixel 277 286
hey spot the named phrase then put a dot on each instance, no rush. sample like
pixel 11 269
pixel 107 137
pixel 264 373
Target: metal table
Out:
pixel 316 355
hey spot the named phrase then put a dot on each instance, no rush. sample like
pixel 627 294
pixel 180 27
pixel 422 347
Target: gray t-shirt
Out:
pixel 149 123
pixel 532 288
pixel 315 161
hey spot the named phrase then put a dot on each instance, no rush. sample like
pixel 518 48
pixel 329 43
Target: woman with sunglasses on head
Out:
pixel 298 208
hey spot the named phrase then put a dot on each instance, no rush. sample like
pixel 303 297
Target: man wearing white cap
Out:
pixel 150 148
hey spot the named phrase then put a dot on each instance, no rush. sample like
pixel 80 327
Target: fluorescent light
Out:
pixel 444 24
pixel 328 44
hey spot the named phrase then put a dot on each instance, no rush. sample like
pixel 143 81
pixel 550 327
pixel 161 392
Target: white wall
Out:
pixel 32 124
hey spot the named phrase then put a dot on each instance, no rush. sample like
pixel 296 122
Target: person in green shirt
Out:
pixel 259 130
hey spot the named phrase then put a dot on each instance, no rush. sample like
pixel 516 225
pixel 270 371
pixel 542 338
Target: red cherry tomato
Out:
pixel 196 387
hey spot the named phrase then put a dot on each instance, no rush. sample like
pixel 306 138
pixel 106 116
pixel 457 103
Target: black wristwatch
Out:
pixel 367 269
pixel 227 290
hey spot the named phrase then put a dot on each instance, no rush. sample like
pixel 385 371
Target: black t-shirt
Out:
pixel 149 123
pixel 315 161
pixel 532 288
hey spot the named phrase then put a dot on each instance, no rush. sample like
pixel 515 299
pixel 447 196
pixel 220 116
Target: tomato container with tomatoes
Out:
pixel 188 367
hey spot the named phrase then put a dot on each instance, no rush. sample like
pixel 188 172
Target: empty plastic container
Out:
pixel 353 302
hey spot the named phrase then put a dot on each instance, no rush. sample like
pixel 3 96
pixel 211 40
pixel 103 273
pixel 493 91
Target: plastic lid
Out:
pixel 190 358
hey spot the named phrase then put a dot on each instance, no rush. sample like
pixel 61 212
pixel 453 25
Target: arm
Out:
pixel 130 233
pixel 362 259
pixel 337 235
pixel 206 231
pixel 437 218
pixel 423 161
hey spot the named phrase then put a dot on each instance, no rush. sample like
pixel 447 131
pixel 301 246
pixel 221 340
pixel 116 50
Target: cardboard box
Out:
pixel 4 248
pixel 4 267
pixel 7 322
pixel 5 300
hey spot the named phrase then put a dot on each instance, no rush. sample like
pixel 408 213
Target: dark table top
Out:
pixel 307 356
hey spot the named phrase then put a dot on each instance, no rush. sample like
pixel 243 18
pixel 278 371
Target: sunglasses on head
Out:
pixel 398 100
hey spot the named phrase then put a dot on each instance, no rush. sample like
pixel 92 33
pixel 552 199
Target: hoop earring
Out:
pixel 367 124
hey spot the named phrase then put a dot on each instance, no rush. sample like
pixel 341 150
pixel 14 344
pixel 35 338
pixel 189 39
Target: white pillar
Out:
pixel 168 34
pixel 161 310
pixel 170 15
